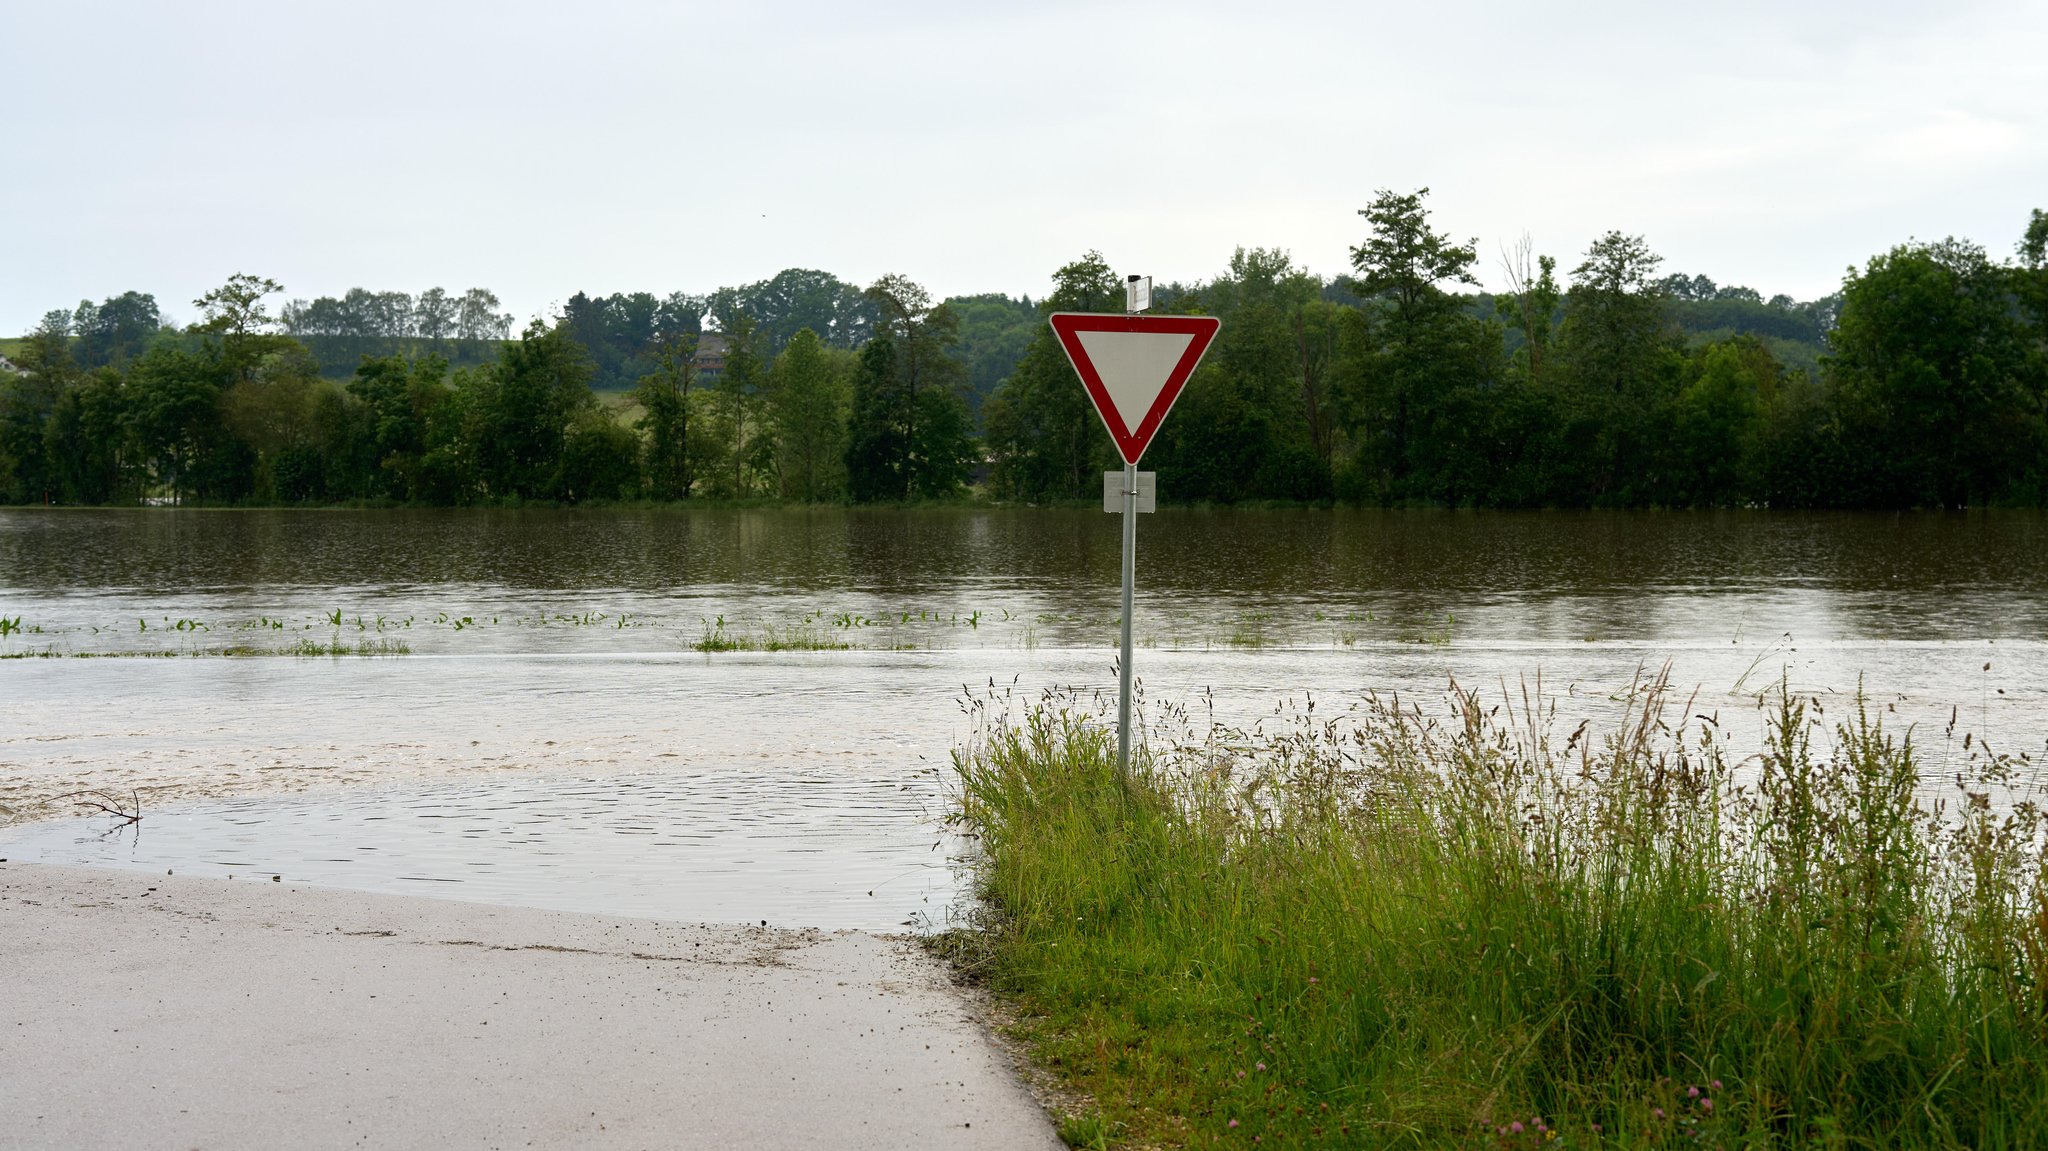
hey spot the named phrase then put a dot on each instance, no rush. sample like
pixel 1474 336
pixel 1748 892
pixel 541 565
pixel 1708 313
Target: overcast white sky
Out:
pixel 538 149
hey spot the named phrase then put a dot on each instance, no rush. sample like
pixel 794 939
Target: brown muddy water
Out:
pixel 746 715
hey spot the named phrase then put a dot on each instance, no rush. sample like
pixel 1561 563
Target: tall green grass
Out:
pixel 1421 930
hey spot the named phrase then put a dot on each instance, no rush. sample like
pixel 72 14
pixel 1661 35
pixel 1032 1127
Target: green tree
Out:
pixel 272 412
pixel 877 446
pixel 477 316
pixel 739 400
pixel 115 330
pixel 434 315
pixel 2031 279
pixel 1622 358
pixel 664 398
pixel 1043 435
pixel 995 332
pixel 1934 368
pixel 838 313
pixel 600 459
pixel 236 316
pixel 1410 397
pixel 404 402
pixel 28 402
pixel 519 411
pixel 1714 430
pixel 89 441
pixel 808 407
pixel 174 402
pixel 910 435
pixel 1242 428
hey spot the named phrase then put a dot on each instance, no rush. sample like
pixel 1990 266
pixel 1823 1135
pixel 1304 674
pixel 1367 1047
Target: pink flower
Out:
pixel 1707 1105
pixel 1261 1067
pixel 1516 1127
pixel 1656 1113
pixel 1233 1122
pixel 1716 1084
pixel 1692 1093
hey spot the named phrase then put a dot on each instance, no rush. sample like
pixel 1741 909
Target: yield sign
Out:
pixel 1133 367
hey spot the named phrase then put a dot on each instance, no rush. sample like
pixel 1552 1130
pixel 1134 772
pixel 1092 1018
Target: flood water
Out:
pixel 534 719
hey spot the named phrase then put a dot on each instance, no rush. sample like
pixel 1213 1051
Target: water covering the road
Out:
pixel 746 715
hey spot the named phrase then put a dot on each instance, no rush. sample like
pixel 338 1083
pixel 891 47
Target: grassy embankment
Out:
pixel 1405 932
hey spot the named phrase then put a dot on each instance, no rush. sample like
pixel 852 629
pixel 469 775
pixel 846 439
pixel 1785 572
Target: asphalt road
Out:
pixel 150 1011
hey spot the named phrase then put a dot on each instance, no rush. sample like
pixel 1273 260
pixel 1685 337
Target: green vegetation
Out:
pixel 1406 930
pixel 1923 383
pixel 806 635
pixel 303 648
pixel 332 647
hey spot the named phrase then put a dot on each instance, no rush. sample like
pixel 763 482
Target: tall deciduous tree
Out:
pixel 1408 400
pixel 477 316
pixel 1622 355
pixel 435 314
pixel 738 396
pixel 808 407
pixel 911 435
pixel 877 441
pixel 236 318
pixel 520 409
pixel 405 402
pixel 664 398
pixel 1933 363
pixel 28 473
pixel 174 401
pixel 116 330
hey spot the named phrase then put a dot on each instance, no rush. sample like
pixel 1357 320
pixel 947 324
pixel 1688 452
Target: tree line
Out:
pixel 1922 383
pixel 341 331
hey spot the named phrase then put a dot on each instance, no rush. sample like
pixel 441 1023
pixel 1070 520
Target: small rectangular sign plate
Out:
pixel 1113 491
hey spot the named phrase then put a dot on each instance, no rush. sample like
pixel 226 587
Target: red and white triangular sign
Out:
pixel 1133 367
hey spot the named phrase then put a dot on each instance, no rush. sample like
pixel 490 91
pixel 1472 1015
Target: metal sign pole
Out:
pixel 1137 298
pixel 1123 697
pixel 1133 367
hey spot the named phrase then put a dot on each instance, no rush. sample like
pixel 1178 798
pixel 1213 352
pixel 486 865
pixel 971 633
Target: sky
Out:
pixel 542 149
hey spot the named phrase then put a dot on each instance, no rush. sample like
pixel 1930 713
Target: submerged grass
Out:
pixel 1413 930
pixel 803 636
pixel 301 648
pixel 333 647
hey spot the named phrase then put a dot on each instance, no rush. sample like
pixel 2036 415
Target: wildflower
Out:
pixel 1692 1093
pixel 1516 1127
pixel 1707 1105
pixel 1233 1122
pixel 1656 1113
pixel 1261 1067
pixel 1716 1084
